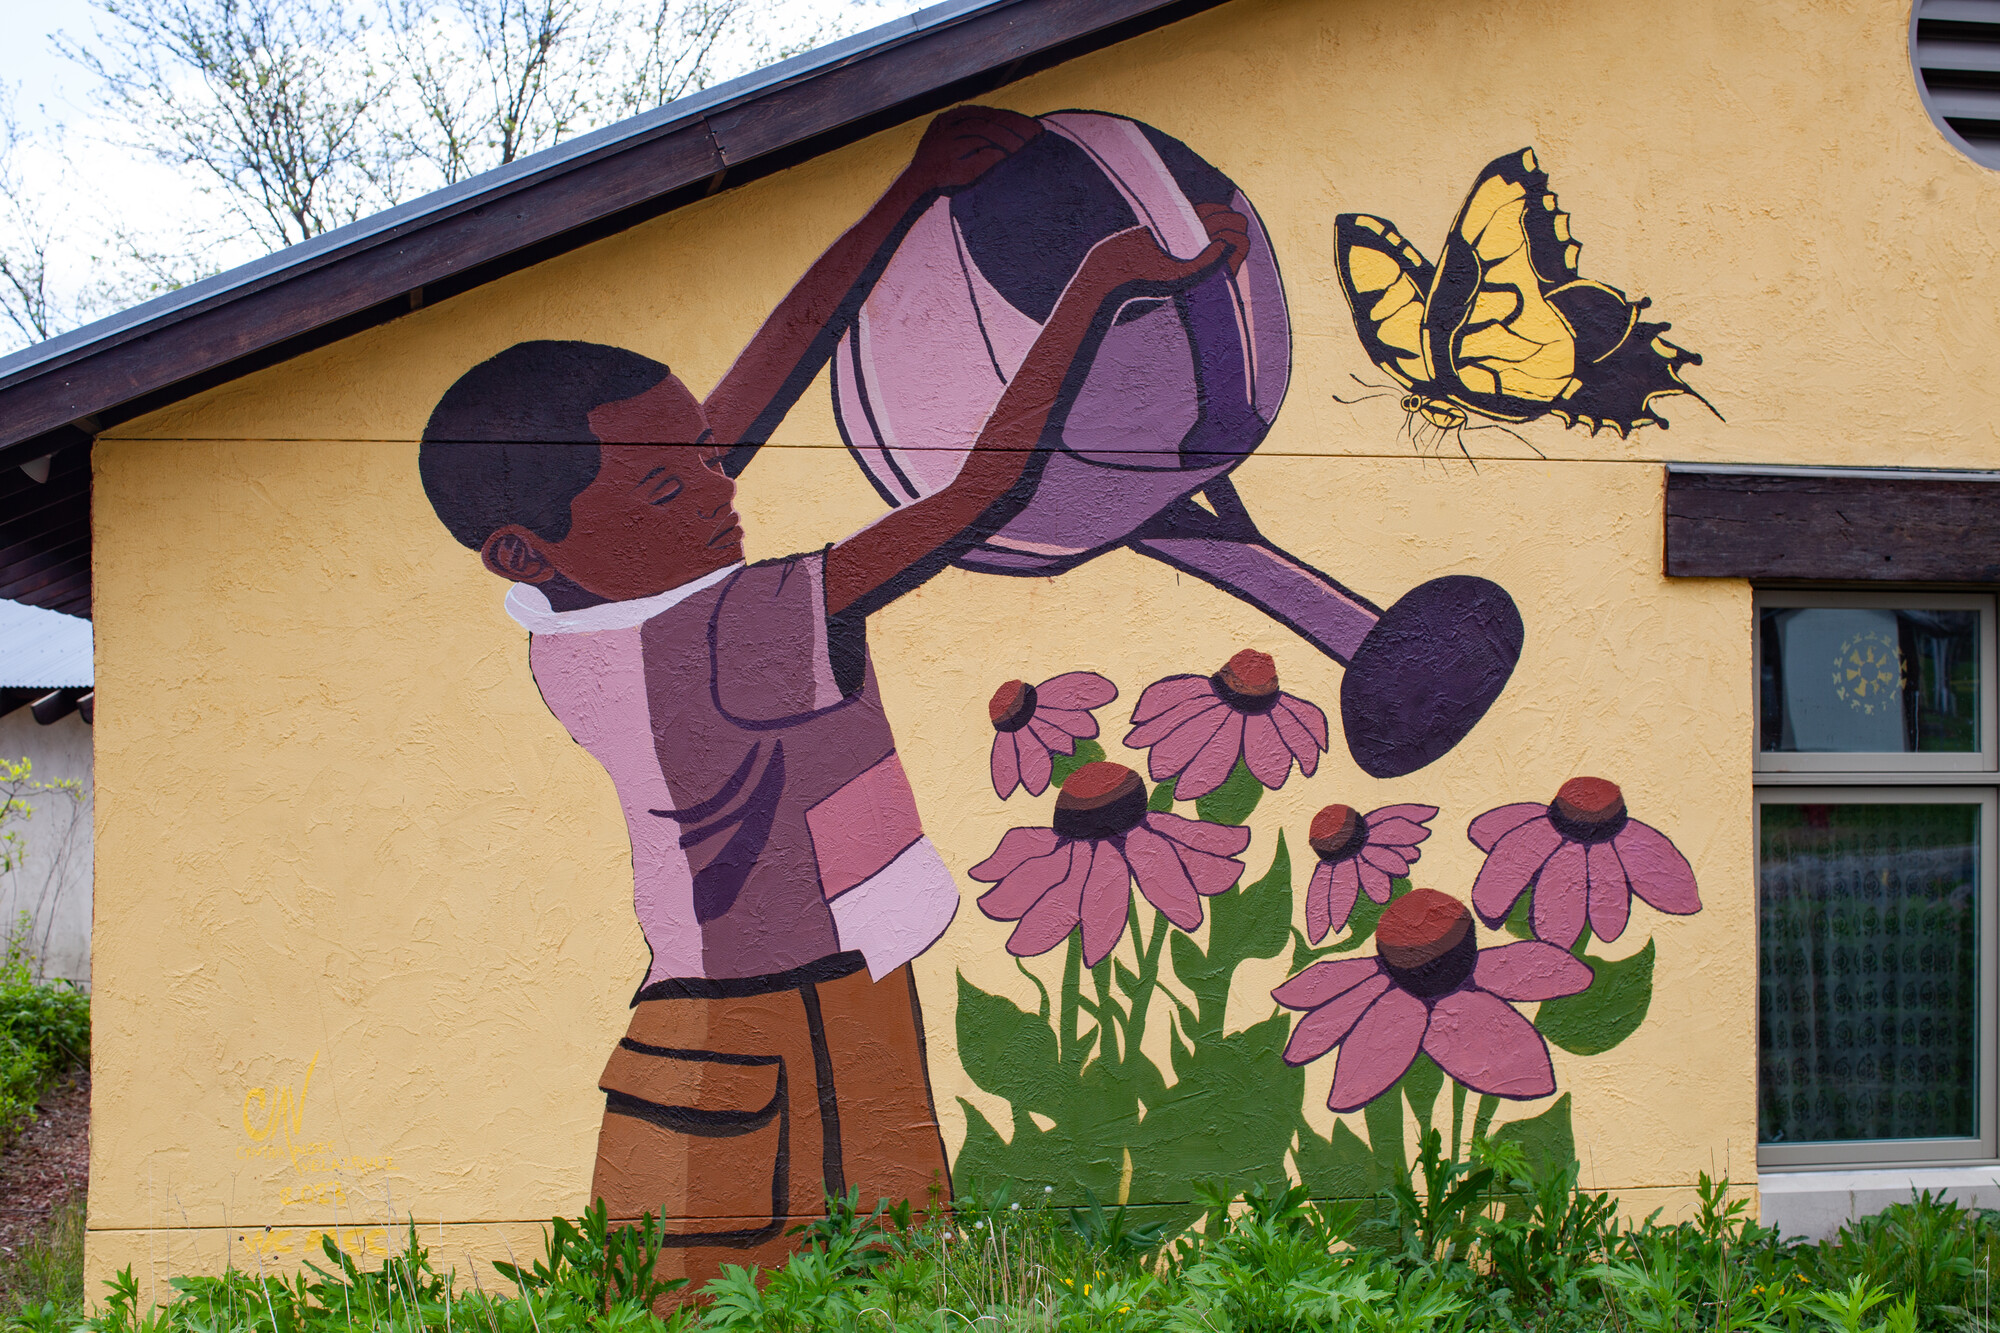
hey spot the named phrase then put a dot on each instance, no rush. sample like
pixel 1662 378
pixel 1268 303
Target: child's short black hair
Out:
pixel 511 442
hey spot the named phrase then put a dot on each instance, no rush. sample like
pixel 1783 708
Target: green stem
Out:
pixel 1111 1016
pixel 1149 975
pixel 1484 1115
pixel 1458 1145
pixel 1072 992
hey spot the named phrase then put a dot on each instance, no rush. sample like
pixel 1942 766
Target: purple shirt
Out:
pixel 770 819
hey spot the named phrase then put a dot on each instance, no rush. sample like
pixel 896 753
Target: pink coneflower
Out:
pixel 1080 871
pixel 1584 856
pixel 1430 988
pixel 1357 852
pixel 1197 727
pixel 1034 723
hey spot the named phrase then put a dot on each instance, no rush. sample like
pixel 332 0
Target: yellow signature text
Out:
pixel 360 1242
pixel 274 1129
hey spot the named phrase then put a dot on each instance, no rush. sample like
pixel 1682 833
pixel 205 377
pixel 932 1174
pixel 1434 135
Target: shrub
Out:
pixel 1490 1243
pixel 44 1031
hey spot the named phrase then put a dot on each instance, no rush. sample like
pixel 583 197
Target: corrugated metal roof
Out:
pixel 42 649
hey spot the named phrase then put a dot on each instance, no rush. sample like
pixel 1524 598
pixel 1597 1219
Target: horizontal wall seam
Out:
pixel 837 446
pixel 1615 1192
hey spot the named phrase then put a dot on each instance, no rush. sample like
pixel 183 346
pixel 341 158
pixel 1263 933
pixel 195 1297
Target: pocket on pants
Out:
pixel 700 1139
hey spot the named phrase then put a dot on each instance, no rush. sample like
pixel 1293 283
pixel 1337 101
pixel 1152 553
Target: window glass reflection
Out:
pixel 1869 680
pixel 1869 972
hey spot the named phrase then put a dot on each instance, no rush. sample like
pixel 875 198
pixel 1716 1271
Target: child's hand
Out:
pixel 1224 223
pixel 1132 263
pixel 966 142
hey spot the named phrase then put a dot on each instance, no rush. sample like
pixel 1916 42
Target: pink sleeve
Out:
pixel 768 643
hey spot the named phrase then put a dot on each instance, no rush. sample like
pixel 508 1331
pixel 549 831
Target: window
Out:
pixel 1876 870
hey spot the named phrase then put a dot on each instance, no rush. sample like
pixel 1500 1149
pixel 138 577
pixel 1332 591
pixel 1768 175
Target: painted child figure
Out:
pixel 781 875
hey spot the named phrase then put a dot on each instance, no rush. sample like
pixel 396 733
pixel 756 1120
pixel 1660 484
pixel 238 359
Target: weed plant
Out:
pixel 1490 1242
pixel 44 1030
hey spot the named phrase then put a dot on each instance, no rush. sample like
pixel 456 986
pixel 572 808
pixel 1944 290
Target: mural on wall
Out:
pixel 1050 338
pixel 1434 1004
pixel 1502 326
pixel 1503 329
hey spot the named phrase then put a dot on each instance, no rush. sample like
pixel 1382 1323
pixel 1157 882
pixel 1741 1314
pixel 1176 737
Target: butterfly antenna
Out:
pixel 1364 398
pixel 1517 435
pixel 1459 435
pixel 1386 388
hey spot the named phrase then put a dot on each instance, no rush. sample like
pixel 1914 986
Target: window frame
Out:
pixel 1882 764
pixel 1888 777
pixel 1984 1146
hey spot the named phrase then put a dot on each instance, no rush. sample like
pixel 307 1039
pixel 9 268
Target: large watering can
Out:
pixel 1178 393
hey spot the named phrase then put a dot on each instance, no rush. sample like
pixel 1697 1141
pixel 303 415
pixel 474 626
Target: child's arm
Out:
pixel 907 545
pixel 781 360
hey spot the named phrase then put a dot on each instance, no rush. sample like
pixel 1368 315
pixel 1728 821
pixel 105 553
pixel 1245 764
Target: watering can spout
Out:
pixel 1419 675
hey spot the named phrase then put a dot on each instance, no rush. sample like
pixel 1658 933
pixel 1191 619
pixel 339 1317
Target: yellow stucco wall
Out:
pixel 340 833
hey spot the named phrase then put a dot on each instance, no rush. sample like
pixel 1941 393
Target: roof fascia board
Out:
pixel 366 273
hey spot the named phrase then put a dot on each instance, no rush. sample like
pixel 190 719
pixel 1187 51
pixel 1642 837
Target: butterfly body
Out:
pixel 1502 326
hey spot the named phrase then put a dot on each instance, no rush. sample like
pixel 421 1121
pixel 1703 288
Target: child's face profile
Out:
pixel 657 515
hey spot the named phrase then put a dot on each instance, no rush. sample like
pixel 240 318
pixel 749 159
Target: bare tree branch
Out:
pixel 298 116
pixel 270 100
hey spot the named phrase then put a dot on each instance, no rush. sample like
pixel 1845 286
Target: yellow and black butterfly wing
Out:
pixel 1623 363
pixel 1385 279
pixel 1514 332
pixel 1498 345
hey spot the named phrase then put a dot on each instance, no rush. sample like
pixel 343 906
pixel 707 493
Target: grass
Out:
pixel 1489 1243
pixel 48 1270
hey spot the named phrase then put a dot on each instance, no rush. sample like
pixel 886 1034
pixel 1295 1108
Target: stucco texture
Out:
pixel 339 830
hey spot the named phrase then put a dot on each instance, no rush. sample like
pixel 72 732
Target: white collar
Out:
pixel 529 605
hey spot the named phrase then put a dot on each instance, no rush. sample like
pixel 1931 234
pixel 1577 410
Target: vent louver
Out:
pixel 1955 45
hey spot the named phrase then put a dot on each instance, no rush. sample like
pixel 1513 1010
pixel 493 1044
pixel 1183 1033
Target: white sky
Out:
pixel 93 178
pixel 29 60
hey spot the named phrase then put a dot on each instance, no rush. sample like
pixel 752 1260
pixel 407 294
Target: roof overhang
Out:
pixel 56 395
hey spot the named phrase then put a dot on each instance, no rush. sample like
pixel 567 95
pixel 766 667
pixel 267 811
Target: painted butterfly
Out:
pixel 1502 327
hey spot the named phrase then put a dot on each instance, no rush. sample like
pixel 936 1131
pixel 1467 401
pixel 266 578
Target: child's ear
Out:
pixel 517 555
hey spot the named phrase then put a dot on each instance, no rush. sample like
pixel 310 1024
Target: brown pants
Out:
pixel 732 1108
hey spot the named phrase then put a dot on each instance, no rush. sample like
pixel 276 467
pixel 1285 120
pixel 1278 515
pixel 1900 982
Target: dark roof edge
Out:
pixel 480 229
pixel 492 184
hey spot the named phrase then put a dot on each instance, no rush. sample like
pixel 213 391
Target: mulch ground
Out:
pixel 45 1164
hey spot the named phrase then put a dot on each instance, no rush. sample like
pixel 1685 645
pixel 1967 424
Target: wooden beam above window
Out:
pixel 1832 524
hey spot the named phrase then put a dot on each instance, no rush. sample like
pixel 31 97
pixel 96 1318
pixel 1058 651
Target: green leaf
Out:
pixel 1547 1140
pixel 1087 752
pixel 1162 801
pixel 1239 1082
pixel 1252 921
pixel 1191 965
pixel 1034 1156
pixel 1384 1118
pixel 1421 1085
pixel 1006 1050
pixel 1340 1168
pixel 1232 802
pixel 1520 921
pixel 1606 1014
